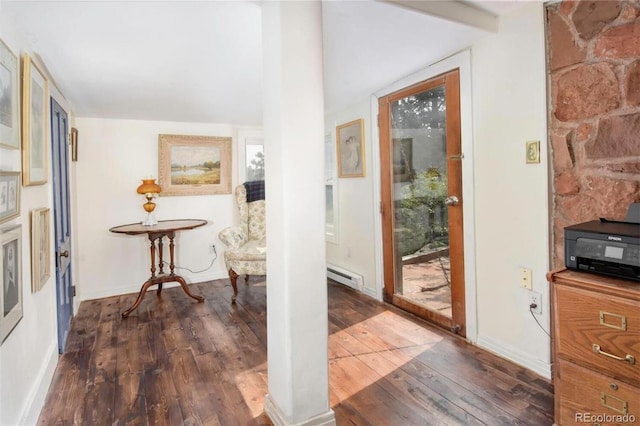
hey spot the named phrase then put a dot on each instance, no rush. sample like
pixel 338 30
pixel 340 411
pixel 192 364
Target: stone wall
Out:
pixel 593 57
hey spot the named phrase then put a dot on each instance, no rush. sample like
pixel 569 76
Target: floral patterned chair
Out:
pixel 246 243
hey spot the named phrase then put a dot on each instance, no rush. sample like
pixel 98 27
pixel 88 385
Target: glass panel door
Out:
pixel 421 184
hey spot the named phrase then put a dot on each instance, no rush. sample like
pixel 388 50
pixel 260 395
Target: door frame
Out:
pixel 462 61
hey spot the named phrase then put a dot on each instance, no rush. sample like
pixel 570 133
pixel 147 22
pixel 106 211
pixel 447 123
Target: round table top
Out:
pixel 161 226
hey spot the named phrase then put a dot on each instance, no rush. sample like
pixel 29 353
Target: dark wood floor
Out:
pixel 176 362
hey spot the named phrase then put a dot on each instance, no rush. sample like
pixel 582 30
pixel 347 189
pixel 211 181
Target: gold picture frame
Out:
pixel 350 144
pixel 40 248
pixel 11 276
pixel 194 165
pixel 35 102
pixel 9 98
pixel 74 144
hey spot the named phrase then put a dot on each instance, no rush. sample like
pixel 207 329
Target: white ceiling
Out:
pixel 201 61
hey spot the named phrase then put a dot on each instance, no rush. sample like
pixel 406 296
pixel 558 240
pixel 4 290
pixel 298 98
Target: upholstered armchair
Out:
pixel 246 243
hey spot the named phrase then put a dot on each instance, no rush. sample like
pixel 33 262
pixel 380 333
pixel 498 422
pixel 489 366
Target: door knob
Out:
pixel 452 201
pixel 64 253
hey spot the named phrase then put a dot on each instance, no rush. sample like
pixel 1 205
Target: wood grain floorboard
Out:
pixel 177 362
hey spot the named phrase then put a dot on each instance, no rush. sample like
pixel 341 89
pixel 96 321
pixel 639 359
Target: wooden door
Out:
pixel 62 222
pixel 421 184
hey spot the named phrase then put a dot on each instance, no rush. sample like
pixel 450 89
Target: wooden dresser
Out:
pixel 596 349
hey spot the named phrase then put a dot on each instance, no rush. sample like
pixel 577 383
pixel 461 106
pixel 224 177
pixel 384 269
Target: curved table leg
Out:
pixel 185 287
pixel 233 276
pixel 143 290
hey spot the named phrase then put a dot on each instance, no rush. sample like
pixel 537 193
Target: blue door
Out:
pixel 60 162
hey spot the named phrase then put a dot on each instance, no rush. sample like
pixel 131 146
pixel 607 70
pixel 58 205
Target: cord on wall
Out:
pixel 531 308
pixel 215 256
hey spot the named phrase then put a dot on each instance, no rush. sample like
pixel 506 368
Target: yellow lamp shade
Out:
pixel 149 186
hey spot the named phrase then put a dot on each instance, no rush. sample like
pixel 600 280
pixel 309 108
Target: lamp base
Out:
pixel 150 220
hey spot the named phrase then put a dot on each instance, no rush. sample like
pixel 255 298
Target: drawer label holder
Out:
pixel 616 404
pixel 621 318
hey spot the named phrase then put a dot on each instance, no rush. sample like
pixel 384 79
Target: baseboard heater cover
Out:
pixel 348 278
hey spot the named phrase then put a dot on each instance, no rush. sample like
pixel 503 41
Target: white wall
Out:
pixel 113 157
pixel 29 354
pixel 354 249
pixel 509 108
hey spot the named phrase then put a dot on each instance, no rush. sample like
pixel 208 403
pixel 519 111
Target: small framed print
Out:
pixel 9 195
pixel 9 98
pixel 350 141
pixel 35 120
pixel 40 248
pixel 10 271
pixel 533 152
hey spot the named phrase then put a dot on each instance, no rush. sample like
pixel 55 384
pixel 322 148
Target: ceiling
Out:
pixel 201 61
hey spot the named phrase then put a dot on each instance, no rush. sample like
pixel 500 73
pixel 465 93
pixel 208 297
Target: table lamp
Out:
pixel 150 189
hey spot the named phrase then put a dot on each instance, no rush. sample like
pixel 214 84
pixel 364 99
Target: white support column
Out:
pixel 297 322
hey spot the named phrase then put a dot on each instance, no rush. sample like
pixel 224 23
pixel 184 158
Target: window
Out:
pixel 331 189
pixel 250 155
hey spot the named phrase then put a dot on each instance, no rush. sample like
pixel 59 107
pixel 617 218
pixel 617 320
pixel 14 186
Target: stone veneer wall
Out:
pixel 593 57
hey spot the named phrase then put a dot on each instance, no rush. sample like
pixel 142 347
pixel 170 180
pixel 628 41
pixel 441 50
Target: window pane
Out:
pixel 255 162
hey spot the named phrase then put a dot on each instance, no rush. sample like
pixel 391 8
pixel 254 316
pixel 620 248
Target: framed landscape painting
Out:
pixel 10 271
pixel 194 165
pixel 34 124
pixel 9 98
pixel 40 248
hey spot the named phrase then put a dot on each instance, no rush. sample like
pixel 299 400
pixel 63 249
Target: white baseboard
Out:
pixel 371 292
pixel 135 288
pixel 515 355
pixel 279 419
pixel 37 396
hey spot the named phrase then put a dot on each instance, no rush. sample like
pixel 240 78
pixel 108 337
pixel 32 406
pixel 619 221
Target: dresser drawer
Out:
pixel 600 332
pixel 587 397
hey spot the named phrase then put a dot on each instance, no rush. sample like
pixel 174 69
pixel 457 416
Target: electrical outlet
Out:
pixel 525 278
pixel 535 299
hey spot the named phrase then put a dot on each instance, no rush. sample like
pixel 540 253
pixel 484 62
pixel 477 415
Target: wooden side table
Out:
pixel 156 233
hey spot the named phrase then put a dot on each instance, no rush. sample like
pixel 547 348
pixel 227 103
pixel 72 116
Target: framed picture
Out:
pixel 40 248
pixel 10 271
pixel 402 159
pixel 74 144
pixel 9 195
pixel 34 124
pixel 350 140
pixel 194 165
pixel 9 98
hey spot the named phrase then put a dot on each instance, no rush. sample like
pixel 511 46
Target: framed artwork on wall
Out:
pixel 9 98
pixel 350 141
pixel 10 271
pixel 35 99
pixel 9 195
pixel 40 248
pixel 194 165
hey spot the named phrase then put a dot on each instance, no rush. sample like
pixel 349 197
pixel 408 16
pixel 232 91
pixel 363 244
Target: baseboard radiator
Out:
pixel 345 277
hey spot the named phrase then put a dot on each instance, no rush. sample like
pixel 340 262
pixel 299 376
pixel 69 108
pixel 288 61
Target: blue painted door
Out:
pixel 60 162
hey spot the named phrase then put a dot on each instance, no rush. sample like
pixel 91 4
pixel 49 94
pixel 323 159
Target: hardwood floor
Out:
pixel 176 362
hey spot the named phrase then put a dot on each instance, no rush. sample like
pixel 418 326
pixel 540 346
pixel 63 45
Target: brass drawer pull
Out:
pixel 606 400
pixel 621 318
pixel 629 358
